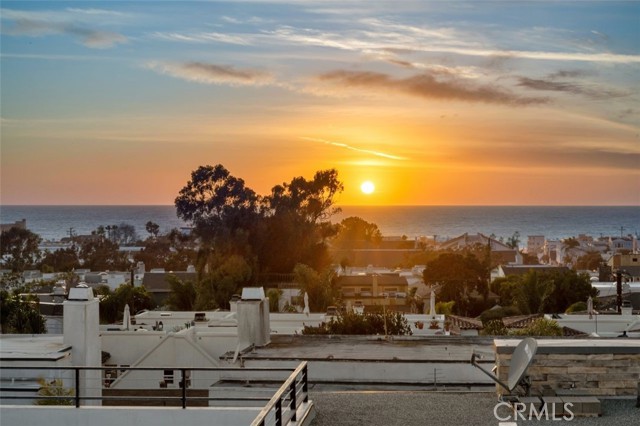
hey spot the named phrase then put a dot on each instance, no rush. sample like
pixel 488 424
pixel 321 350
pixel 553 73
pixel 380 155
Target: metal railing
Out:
pixel 287 398
pixel 283 406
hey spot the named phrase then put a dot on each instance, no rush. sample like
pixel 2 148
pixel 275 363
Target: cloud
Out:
pixel 352 148
pixel 552 85
pixel 425 85
pixel 205 73
pixel 203 37
pixel 90 38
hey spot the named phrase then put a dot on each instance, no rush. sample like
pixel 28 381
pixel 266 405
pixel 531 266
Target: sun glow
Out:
pixel 367 187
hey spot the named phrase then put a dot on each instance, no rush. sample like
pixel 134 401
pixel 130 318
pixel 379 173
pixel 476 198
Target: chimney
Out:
pixel 81 328
pixel 253 317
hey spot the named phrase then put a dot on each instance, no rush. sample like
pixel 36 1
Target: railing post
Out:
pixel 184 388
pixel 77 371
pixel 305 386
pixel 292 405
pixel 279 412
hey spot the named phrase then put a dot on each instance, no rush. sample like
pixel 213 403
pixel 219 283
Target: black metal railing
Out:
pixel 77 391
pixel 283 406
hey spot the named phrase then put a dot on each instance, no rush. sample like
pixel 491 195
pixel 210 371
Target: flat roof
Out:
pixel 38 347
pixel 375 348
pixel 597 345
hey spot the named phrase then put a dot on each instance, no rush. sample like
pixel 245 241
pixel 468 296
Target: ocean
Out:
pixel 55 222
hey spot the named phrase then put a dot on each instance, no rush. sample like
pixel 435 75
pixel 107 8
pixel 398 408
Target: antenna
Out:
pixel 520 362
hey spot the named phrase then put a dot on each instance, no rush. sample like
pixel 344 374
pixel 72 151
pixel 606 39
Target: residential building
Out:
pixel 535 244
pixel 369 290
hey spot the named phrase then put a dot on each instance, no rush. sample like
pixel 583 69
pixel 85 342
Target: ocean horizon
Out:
pixel 53 222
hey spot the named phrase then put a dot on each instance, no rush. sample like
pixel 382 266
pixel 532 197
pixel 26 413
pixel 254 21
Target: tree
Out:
pixel 544 292
pixel 20 316
pixel 61 260
pixel 458 275
pixel 227 274
pixel 124 234
pixel 569 243
pixel 514 240
pixel 102 254
pixel 319 286
pixel 274 296
pixel 589 261
pixel 19 249
pixel 152 228
pixel 216 203
pixel 112 305
pixel 183 294
pixel 297 224
pixel 355 232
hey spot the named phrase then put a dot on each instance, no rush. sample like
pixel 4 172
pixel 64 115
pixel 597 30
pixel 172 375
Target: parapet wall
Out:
pixel 606 368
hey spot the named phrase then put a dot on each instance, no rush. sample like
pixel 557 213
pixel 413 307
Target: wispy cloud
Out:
pixel 43 23
pixel 203 37
pixel 88 37
pixel 352 148
pixel 427 86
pixel 206 73
pixel 377 34
pixel 559 82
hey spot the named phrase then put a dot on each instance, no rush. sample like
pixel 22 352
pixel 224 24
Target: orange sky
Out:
pixel 497 107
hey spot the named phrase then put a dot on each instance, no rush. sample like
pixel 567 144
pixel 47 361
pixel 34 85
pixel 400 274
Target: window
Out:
pixel 168 377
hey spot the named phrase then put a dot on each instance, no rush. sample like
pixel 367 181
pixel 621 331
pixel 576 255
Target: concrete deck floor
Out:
pixel 363 348
pixel 415 408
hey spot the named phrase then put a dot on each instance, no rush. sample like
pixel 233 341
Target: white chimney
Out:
pixel 81 328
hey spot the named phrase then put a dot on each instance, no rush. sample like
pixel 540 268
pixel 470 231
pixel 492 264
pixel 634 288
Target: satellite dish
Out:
pixel 520 362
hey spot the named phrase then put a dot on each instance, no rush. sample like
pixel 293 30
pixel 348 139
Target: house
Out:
pixel 623 244
pixel 157 283
pixel 389 289
pixel 535 244
pixel 500 252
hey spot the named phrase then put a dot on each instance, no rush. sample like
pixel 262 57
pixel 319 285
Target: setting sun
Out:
pixel 367 187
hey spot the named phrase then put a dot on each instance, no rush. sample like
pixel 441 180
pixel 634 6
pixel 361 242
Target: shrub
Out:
pixel 540 327
pixel 369 323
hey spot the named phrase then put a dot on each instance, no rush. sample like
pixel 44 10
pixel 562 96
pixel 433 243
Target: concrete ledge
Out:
pixel 574 346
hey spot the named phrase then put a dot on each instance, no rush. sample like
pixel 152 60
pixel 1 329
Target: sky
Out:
pixel 433 102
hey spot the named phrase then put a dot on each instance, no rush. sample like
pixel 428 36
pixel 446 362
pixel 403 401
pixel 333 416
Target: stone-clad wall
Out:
pixel 595 369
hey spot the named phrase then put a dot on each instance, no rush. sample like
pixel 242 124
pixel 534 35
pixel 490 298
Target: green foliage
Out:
pixel 576 307
pixel 19 249
pixel 544 292
pixel 61 260
pixel 274 296
pixel 458 275
pixel 19 316
pixel 445 308
pixel 183 294
pixel 494 327
pixel 497 314
pixel 319 286
pixel 112 305
pixel 54 393
pixel 540 327
pixel 369 323
pixel 227 274
pixel 100 254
